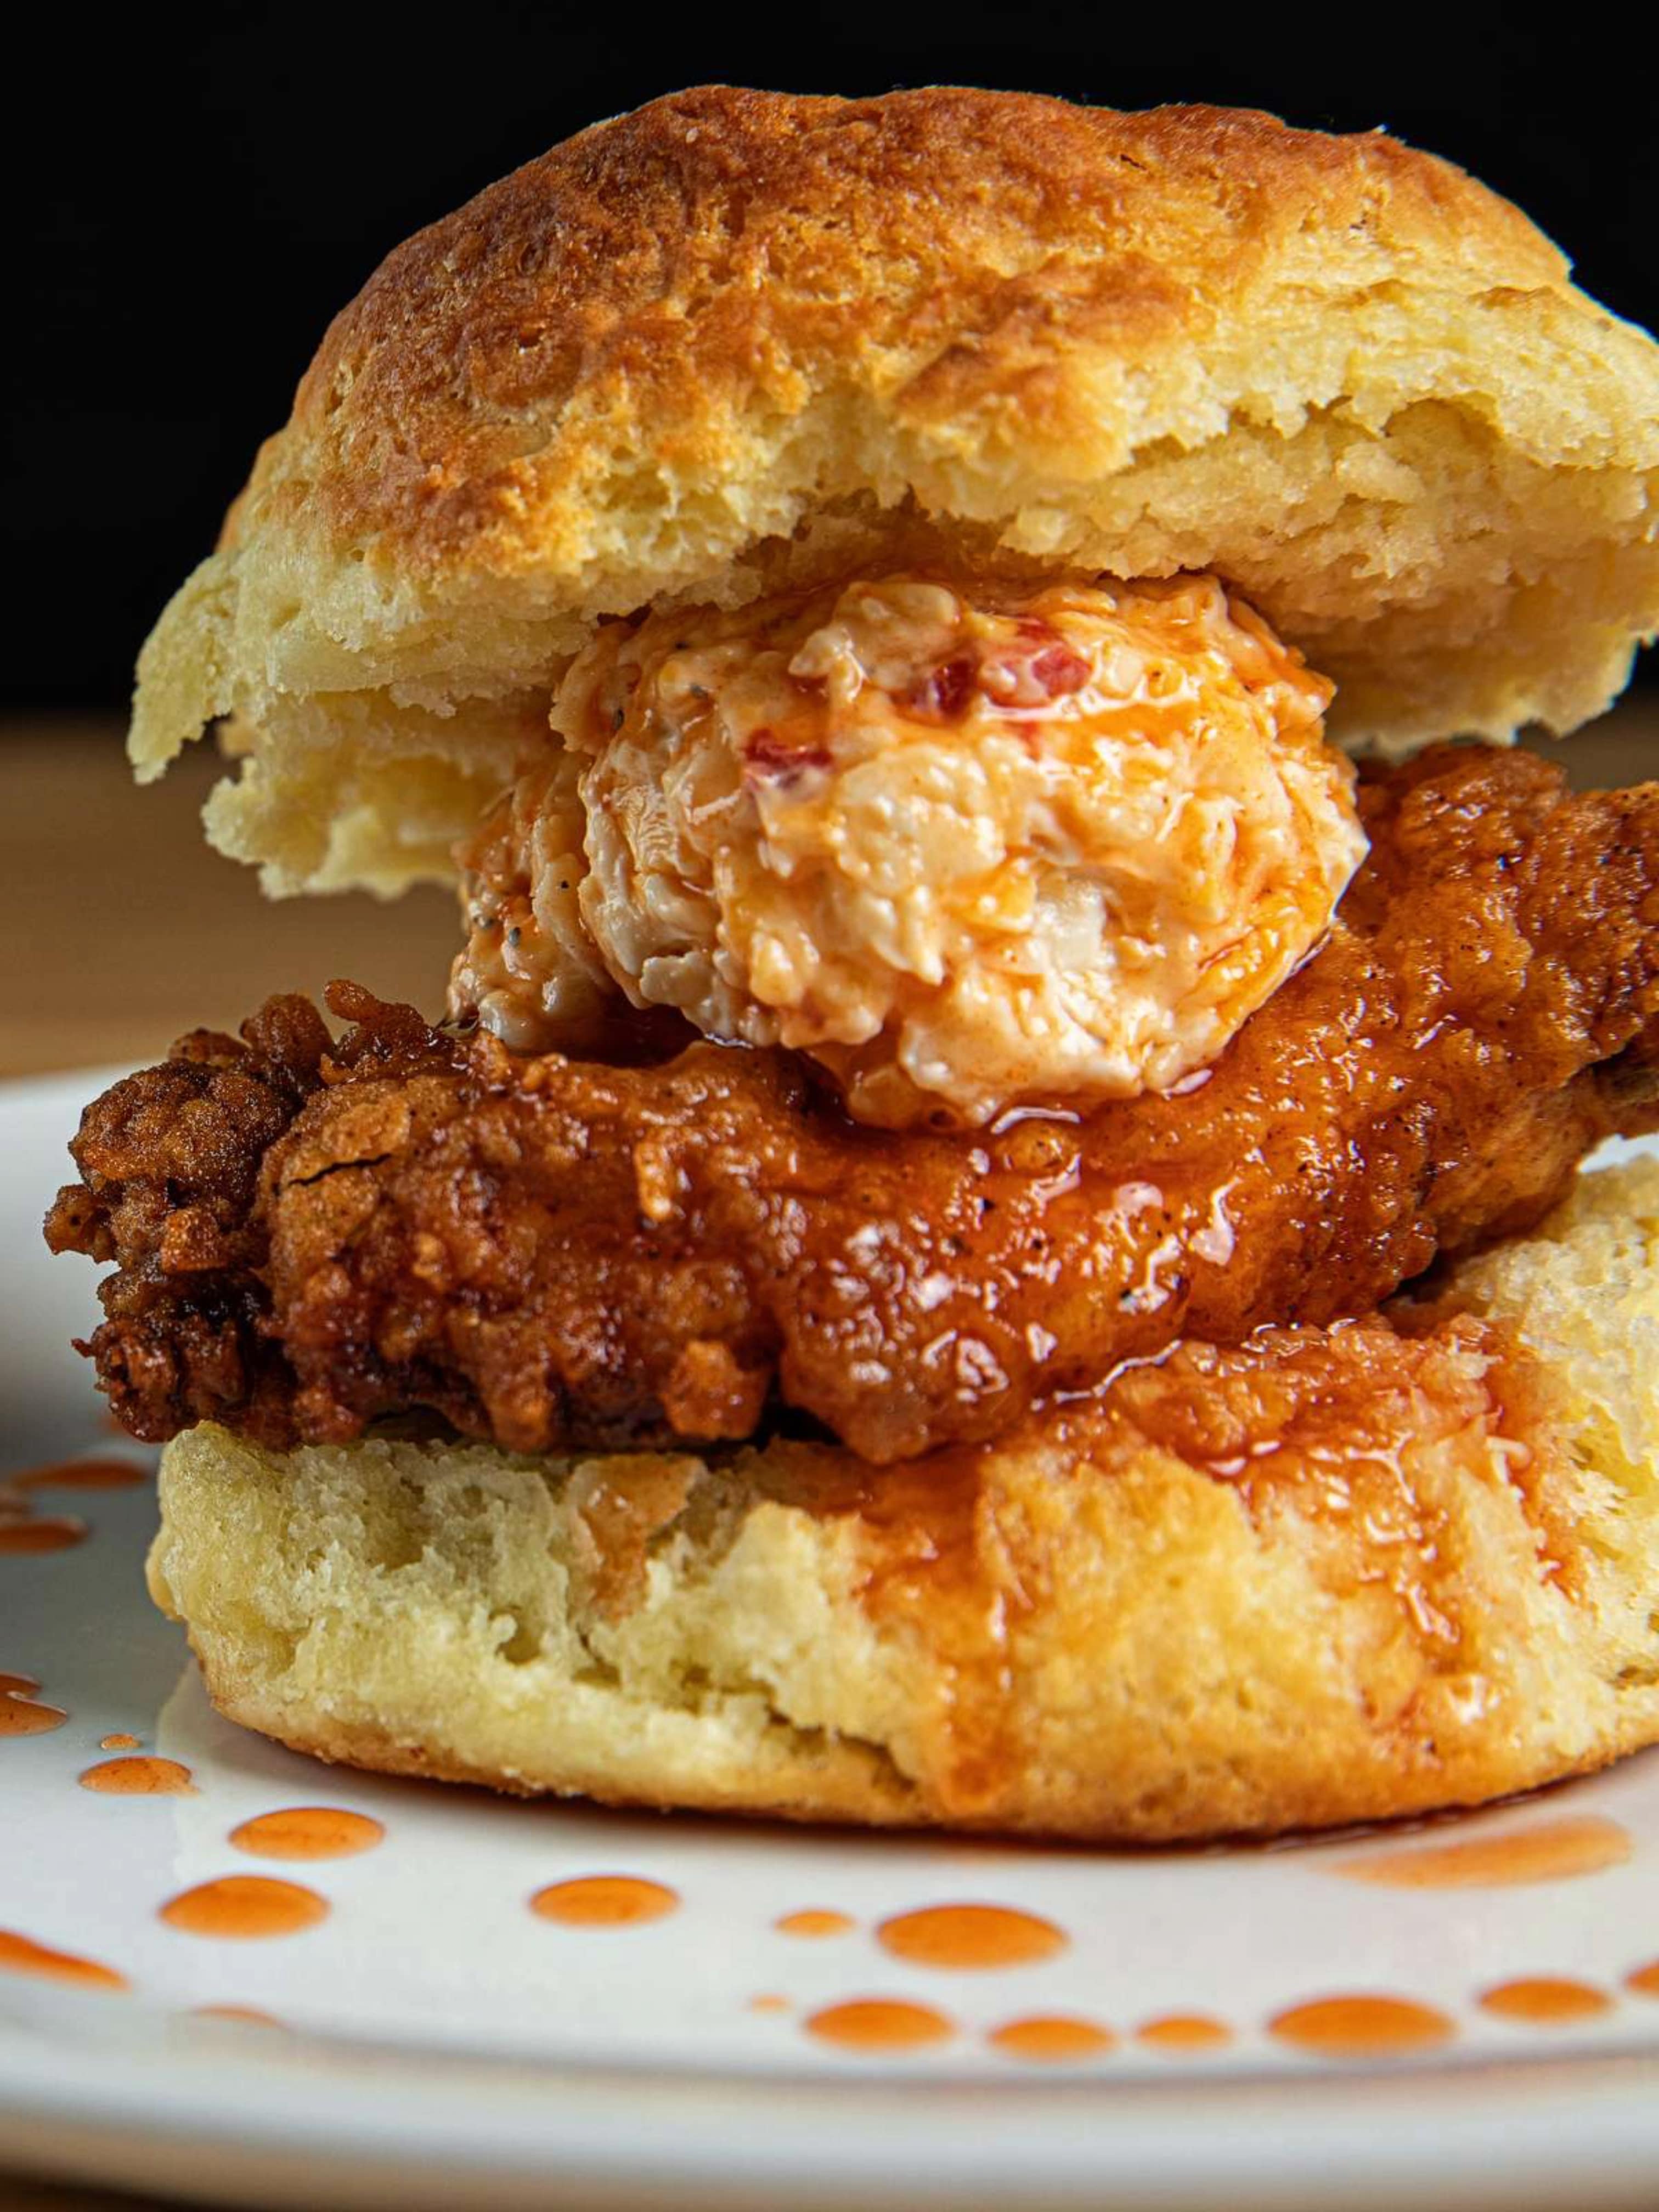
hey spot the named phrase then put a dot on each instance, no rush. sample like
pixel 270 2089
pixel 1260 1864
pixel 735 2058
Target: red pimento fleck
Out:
pixel 1042 666
pixel 943 693
pixel 1057 668
pixel 768 754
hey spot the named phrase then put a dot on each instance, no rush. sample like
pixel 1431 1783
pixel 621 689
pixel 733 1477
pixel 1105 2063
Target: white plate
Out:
pixel 438 2038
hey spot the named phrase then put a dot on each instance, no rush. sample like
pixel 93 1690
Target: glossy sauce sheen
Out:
pixel 245 1906
pixel 1362 2027
pixel 308 1832
pixel 1404 1087
pixel 143 1777
pixel 920 1570
pixel 605 1900
pixel 970 1937
pixel 1051 2039
pixel 21 1954
pixel 876 2024
pixel 1556 1850
pixel 1545 2001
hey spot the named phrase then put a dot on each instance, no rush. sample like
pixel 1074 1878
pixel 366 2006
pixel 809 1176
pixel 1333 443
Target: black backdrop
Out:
pixel 190 201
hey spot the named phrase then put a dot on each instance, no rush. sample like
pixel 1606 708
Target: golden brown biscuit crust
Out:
pixel 738 337
pixel 1338 1576
pixel 957 256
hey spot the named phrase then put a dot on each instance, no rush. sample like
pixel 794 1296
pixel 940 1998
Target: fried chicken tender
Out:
pixel 309 1237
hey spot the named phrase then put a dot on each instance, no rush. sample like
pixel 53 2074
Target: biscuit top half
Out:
pixel 740 342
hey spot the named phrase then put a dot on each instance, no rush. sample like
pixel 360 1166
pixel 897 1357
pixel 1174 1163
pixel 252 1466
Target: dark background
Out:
pixel 190 201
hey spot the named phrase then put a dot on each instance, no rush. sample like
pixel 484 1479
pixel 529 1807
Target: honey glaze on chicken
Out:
pixel 966 844
pixel 309 1234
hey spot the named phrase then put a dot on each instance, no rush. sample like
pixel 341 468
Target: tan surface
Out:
pixel 120 929
pixel 736 340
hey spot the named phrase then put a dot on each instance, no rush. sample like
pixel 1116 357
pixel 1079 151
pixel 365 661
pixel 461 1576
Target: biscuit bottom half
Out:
pixel 1332 1575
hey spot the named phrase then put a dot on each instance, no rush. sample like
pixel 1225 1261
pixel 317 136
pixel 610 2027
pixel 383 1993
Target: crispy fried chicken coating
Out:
pixel 309 1235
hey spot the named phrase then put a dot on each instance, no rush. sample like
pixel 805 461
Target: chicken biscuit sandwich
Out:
pixel 993 1235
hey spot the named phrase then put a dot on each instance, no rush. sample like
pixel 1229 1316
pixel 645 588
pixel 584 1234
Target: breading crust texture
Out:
pixel 1338 1576
pixel 311 1234
pixel 739 339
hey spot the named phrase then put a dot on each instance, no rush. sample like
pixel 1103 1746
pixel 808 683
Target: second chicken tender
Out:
pixel 967 846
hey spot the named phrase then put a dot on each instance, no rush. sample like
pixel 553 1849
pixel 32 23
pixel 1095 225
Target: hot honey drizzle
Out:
pixel 28 1533
pixel 22 1955
pixel 1545 2001
pixel 1362 2027
pixel 245 1907
pixel 606 1900
pixel 308 1832
pixel 880 2024
pixel 25 1531
pixel 815 1923
pixel 1051 2039
pixel 1555 1850
pixel 1184 2030
pixel 144 1776
pixel 22 1714
pixel 970 1937
pixel 80 1474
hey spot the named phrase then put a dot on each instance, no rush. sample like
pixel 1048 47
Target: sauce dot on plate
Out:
pixel 139 1777
pixel 22 1716
pixel 1645 1981
pixel 1545 2001
pixel 1361 2026
pixel 605 1900
pixel 1051 2039
pixel 245 2015
pixel 880 2024
pixel 10 1682
pixel 1555 1850
pixel 815 1922
pixel 245 1906
pixel 21 1954
pixel 1184 2030
pixel 970 1937
pixel 40 1532
pixel 769 2000
pixel 81 1474
pixel 119 1742
pixel 308 1832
